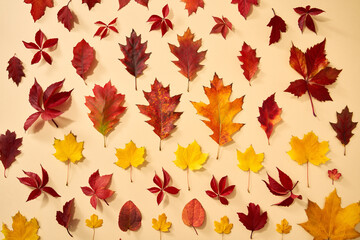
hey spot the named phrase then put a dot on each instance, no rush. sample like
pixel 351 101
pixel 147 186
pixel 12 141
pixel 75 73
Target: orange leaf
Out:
pixel 249 61
pixel 193 214
pixel 38 7
pixel 192 5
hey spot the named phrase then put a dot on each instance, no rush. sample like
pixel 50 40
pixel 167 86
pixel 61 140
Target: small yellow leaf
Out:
pixel 68 149
pixel 190 157
pixel 223 226
pixel 22 229
pixel 249 160
pixel 130 155
pixel 283 227
pixel 161 224
pixel 94 222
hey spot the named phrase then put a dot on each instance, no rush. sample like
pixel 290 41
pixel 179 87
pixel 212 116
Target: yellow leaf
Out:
pixel 223 226
pixel 332 222
pixel 68 149
pixel 130 155
pixel 249 160
pixel 190 157
pixel 284 227
pixel 94 222
pixel 22 229
pixel 161 224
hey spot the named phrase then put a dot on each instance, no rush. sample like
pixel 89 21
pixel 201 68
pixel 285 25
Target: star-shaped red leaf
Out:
pixel 104 28
pixel 220 190
pixel 161 22
pixel 162 186
pixel 305 17
pixel 222 26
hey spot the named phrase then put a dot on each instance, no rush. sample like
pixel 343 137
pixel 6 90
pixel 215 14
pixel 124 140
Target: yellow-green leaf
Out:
pixel 249 160
pixel 130 156
pixel 68 149
pixel 94 221
pixel 223 226
pixel 190 157
pixel 22 229
pixel 161 224
pixel 283 227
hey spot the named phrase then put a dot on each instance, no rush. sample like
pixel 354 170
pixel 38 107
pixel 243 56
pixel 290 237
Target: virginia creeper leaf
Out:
pixel 283 227
pixel 22 228
pixel 9 148
pixel 161 225
pixel 305 17
pixel 244 6
pixel 278 26
pixel 15 69
pixel 249 61
pixel 222 26
pixel 223 226
pixel 254 220
pixel 91 3
pixel 219 190
pixel 129 217
pixel 193 214
pixel 162 23
pixel 84 56
pixel 104 28
pixel 38 7
pixel 334 175
pixel 192 5
pixel 64 217
pixel 65 16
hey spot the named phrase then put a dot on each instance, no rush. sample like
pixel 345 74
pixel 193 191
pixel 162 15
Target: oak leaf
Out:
pixel 192 5
pixel 222 26
pixel 64 217
pixel 22 228
pixel 94 221
pixel 84 56
pixel 38 7
pixel 9 148
pixel 65 16
pixel 254 220
pixel 162 23
pixel 15 69
pixel 123 3
pixel 305 17
pixel 283 227
pixel 334 175
pixel 129 217
pixel 249 61
pixel 278 26
pixel 244 6
pixel 223 226
pixel 193 214
pixel 219 190
pixel 163 186
pixel 91 3
pixel 161 224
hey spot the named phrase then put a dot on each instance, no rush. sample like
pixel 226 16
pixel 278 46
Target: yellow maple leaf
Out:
pixel 308 150
pixel 130 156
pixel 283 227
pixel 332 222
pixel 190 157
pixel 94 221
pixel 22 229
pixel 161 224
pixel 223 226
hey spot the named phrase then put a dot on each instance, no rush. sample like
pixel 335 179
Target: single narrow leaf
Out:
pixel 223 227
pixel 9 148
pixel 305 18
pixel 38 7
pixel 283 227
pixel 94 221
pixel 334 175
pixel 15 70
pixel 64 217
pixel 222 26
pixel 192 5
pixel 193 214
pixel 254 220
pixel 65 16
pixel 249 61
pixel 161 224
pixel 129 217
pixel 21 228
pixel 244 6
pixel 84 56
pixel 91 3
pixel 278 26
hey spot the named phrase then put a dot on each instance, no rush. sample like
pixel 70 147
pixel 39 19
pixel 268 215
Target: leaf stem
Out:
pixel 104 141
pixel 248 189
pixel 106 202
pixel 187 178
pixel 222 236
pixel 67 229
pixel 160 145
pixel 307 173
pixel 282 236
pixel 332 180
pixel 195 230
pixel 135 84
pixel 57 126
pixel 251 234
pixel 4 173
pixel 160 234
pixel 344 149
pixel 312 104
pixel 131 180
pixel 218 152
pixel 273 11
pixel 188 86
pixel 67 173
pixel 68 3
pixel 93 234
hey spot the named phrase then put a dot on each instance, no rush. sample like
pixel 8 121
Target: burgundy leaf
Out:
pixel 211 194
pixel 285 180
pixel 162 187
pixel 66 17
pixel 161 22
pixel 286 202
pixel 277 25
pixel 254 220
pixel 84 56
pixel 91 3
pixel 157 181
pixel 171 190
pixel 166 178
pixel 34 194
pixel 154 189
pixel 214 185
pixel 223 201
pixel 305 17
pixel 50 191
pixel 28 181
pixel 103 30
pixel 129 217
pixel 220 190
pixel 64 217
pixel 222 26
pixel 15 69
pixel 160 197
pixel 9 148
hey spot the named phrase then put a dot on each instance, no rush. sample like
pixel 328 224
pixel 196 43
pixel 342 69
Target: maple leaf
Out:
pixel 222 26
pixel 249 61
pixel 283 227
pixel 244 6
pixel 163 186
pixel 99 188
pixel 40 45
pixel 193 214
pixel 134 55
pixel 161 110
pixel 129 217
pixel 220 190
pixel 191 158
pixel 334 175
pixel 50 99
pixel 64 217
pixel 269 115
pixel 105 108
pixel 220 111
pixel 344 126
pixel 94 221
pixel 130 156
pixel 104 29
pixel 161 22
pixel 249 160
pixel 283 188
pixel 91 3
pixel 15 69
pixel 161 225
pixel 22 228
pixel 38 7
pixel 123 3
pixel 68 150
pixel 313 67
pixel 193 5
pixel 188 55
pixel 308 150
pixel 223 226
pixel 278 26
pixel 84 56
pixel 333 221
pixel 9 148
pixel 65 16
pixel 305 17
pixel 254 220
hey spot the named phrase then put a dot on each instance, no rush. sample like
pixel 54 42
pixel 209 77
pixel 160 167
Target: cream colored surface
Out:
pixel 339 25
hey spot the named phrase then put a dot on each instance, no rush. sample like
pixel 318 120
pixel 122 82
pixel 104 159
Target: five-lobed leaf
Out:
pixel 244 6
pixel 103 30
pixel 94 221
pixel 84 56
pixel 15 70
pixel 64 218
pixel 193 214
pixel 249 61
pixel 161 224
pixel 129 217
pixel 305 18
pixel 219 190
pixel 222 26
pixel 163 186
pixel 278 26
pixel 223 226
pixel 65 16
pixel 38 7
pixel 22 228
pixel 254 220
pixel 283 227
pixel 334 175
pixel 9 148
pixel 192 5
pixel 162 23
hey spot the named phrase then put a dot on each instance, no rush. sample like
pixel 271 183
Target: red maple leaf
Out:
pixel 277 25
pixel 222 26
pixel 64 217
pixel 134 55
pixel 162 186
pixel 334 175
pixel 38 7
pixel 249 61
pixel 193 5
pixel 305 17
pixel 66 17
pixel 254 220
pixel 123 3
pixel 188 55
pixel 91 3
pixel 33 180
pixel 283 188
pixel 9 148
pixel 161 109
pixel 244 6
pixel 15 69
pixel 84 56
pixel 40 45
pixel 220 190
pixel 99 188
pixel 161 22
pixel 313 67
pixel 104 29
pixel 50 99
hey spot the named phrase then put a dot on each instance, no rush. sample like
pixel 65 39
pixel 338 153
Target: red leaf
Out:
pixel 244 6
pixel 123 3
pixel 222 26
pixel 134 55
pixel 38 7
pixel 84 56
pixel 91 3
pixel 15 69
pixel 162 187
pixel 66 17
pixel 171 190
pixel 34 194
pixel 193 5
pixel 64 217
pixel 154 189
pixel 334 175
pixel 188 55
pixel 157 181
pixel 103 30
pixel 220 190
pixel 161 22
pixel 193 214
pixel 214 185
pixel 249 61
pixel 211 194
pixel 9 148
pixel 305 17
pixel 254 220
pixel 129 217
pixel 50 191
pixel 277 25
pixel 28 181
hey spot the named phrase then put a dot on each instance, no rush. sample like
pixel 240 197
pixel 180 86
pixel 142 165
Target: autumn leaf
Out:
pixel 161 225
pixel 192 5
pixel 222 26
pixel 223 226
pixel 334 175
pixel 249 160
pixel 91 3
pixel 244 6
pixel 313 67
pixel 163 186
pixel 220 111
pixel 68 150
pixel 64 217
pixel 123 3
pixel 104 28
pixel 305 17
pixel 191 158
pixel 278 26
pixel 9 148
pixel 308 150
pixel 94 222
pixel 15 69
pixel 188 56
pixel 66 17
pixel 193 214
pixel 344 126
pixel 129 217
pixel 162 23
pixel 38 7
pixel 84 56
pixel 333 221
pixel 219 190
pixel 22 228
pixel 249 61
pixel 283 227
pixel 161 110
pixel 254 220
pixel 130 156
pixel 105 108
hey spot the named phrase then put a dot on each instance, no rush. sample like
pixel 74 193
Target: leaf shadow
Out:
pixel 93 65
pixel 39 124
pixel 45 199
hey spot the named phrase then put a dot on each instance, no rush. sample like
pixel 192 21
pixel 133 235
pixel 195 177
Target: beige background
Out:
pixel 339 24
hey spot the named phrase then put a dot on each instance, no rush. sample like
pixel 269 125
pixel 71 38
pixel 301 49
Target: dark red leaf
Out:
pixel 154 189
pixel 227 190
pixel 34 194
pixel 84 56
pixel 87 191
pixel 214 185
pixel 36 58
pixel 305 17
pixel 277 25
pixel 254 220
pixel 222 184
pixel 38 7
pixel 66 17
pixel 161 22
pixel 220 190
pixel 223 201
pixel 103 30
pixel 244 6
pixel 249 61
pixel 50 191
pixel 91 3
pixel 286 202
pixel 15 69
pixel 64 217
pixel 28 181
pixel 129 217
pixel 50 43
pixel 211 194
pixel 31 119
pixel 45 177
pixel 166 178
pixel 123 3
pixel 285 180
pixel 157 181
pixel 46 57
pixel 275 187
pixel 39 38
pixel 165 10
pixel 9 148
pixel 160 197
pixel 222 26
pixel 104 34
pixel 99 31
pixel 30 45
pixel 172 190
pixel 162 187
pixel 34 176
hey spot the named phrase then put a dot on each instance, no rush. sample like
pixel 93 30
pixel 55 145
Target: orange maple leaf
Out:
pixel 192 5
